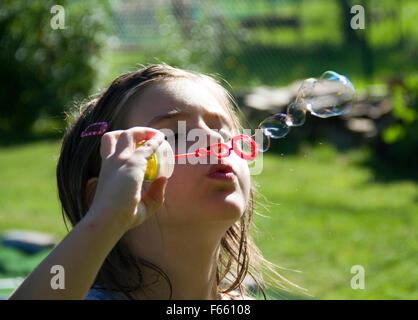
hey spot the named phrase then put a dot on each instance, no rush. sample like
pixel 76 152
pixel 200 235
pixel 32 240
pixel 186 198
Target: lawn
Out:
pixel 325 212
pixel 328 213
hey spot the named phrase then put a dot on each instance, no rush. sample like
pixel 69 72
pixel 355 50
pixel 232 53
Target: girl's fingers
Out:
pixel 108 143
pixel 152 200
pixel 150 146
pixel 128 139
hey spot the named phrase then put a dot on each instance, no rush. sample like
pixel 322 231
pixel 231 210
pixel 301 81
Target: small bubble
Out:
pixel 296 114
pixel 275 126
pixel 264 144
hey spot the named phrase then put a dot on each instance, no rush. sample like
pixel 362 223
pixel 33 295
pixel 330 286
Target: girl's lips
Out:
pixel 221 172
pixel 222 175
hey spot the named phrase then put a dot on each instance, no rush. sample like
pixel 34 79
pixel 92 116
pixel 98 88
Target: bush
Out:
pixel 401 138
pixel 44 69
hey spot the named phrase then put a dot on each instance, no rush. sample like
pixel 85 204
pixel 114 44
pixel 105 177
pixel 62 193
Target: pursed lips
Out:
pixel 221 172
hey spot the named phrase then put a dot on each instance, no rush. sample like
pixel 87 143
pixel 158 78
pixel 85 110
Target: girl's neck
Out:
pixel 188 260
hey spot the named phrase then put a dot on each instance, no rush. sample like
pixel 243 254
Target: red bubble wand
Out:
pixel 222 150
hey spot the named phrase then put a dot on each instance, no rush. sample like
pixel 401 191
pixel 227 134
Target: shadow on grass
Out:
pixel 390 170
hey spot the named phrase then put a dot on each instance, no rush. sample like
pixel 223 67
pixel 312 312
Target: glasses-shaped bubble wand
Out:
pixel 222 150
pixel 161 162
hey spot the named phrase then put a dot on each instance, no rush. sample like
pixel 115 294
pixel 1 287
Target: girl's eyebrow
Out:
pixel 169 115
pixel 177 113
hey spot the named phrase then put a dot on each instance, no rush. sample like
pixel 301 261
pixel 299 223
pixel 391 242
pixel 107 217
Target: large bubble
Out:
pixel 331 95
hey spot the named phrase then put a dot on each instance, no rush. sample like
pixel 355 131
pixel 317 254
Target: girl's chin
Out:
pixel 225 205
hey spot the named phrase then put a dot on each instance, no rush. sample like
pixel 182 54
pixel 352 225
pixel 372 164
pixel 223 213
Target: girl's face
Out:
pixel 192 193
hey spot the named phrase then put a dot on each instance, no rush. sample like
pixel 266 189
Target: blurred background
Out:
pixel 335 193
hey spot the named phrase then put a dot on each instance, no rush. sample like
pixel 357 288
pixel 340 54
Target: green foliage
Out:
pixel 402 136
pixel 197 46
pixel 214 41
pixel 46 69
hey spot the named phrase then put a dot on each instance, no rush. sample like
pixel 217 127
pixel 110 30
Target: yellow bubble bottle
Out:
pixel 161 163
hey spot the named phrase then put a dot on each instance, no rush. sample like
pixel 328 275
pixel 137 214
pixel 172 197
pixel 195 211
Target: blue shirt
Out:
pixel 96 293
pixel 99 293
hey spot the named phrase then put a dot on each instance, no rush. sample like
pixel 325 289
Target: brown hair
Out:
pixel 80 160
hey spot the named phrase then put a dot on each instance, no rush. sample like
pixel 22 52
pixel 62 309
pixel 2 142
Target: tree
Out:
pixel 357 38
pixel 45 69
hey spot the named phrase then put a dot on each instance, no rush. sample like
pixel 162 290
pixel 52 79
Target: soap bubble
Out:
pixel 331 95
pixel 296 114
pixel 263 142
pixel 266 143
pixel 275 126
pixel 306 88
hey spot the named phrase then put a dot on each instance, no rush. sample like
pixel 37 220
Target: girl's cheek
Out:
pixel 244 176
pixel 183 176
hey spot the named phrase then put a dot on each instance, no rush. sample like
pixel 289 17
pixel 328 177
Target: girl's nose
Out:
pixel 213 137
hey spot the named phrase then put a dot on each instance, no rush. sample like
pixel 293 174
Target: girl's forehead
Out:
pixel 180 96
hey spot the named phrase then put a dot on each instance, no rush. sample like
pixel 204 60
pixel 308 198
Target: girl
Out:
pixel 186 237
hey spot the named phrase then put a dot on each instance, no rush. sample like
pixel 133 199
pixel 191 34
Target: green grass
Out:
pixel 28 196
pixel 330 214
pixel 326 214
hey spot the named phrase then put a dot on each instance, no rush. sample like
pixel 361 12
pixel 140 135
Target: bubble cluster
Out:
pixel 330 95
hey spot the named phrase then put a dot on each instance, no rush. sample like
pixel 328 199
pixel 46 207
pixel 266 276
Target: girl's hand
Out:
pixel 118 190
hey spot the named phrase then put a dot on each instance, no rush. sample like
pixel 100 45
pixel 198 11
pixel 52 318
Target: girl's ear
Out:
pixel 91 190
